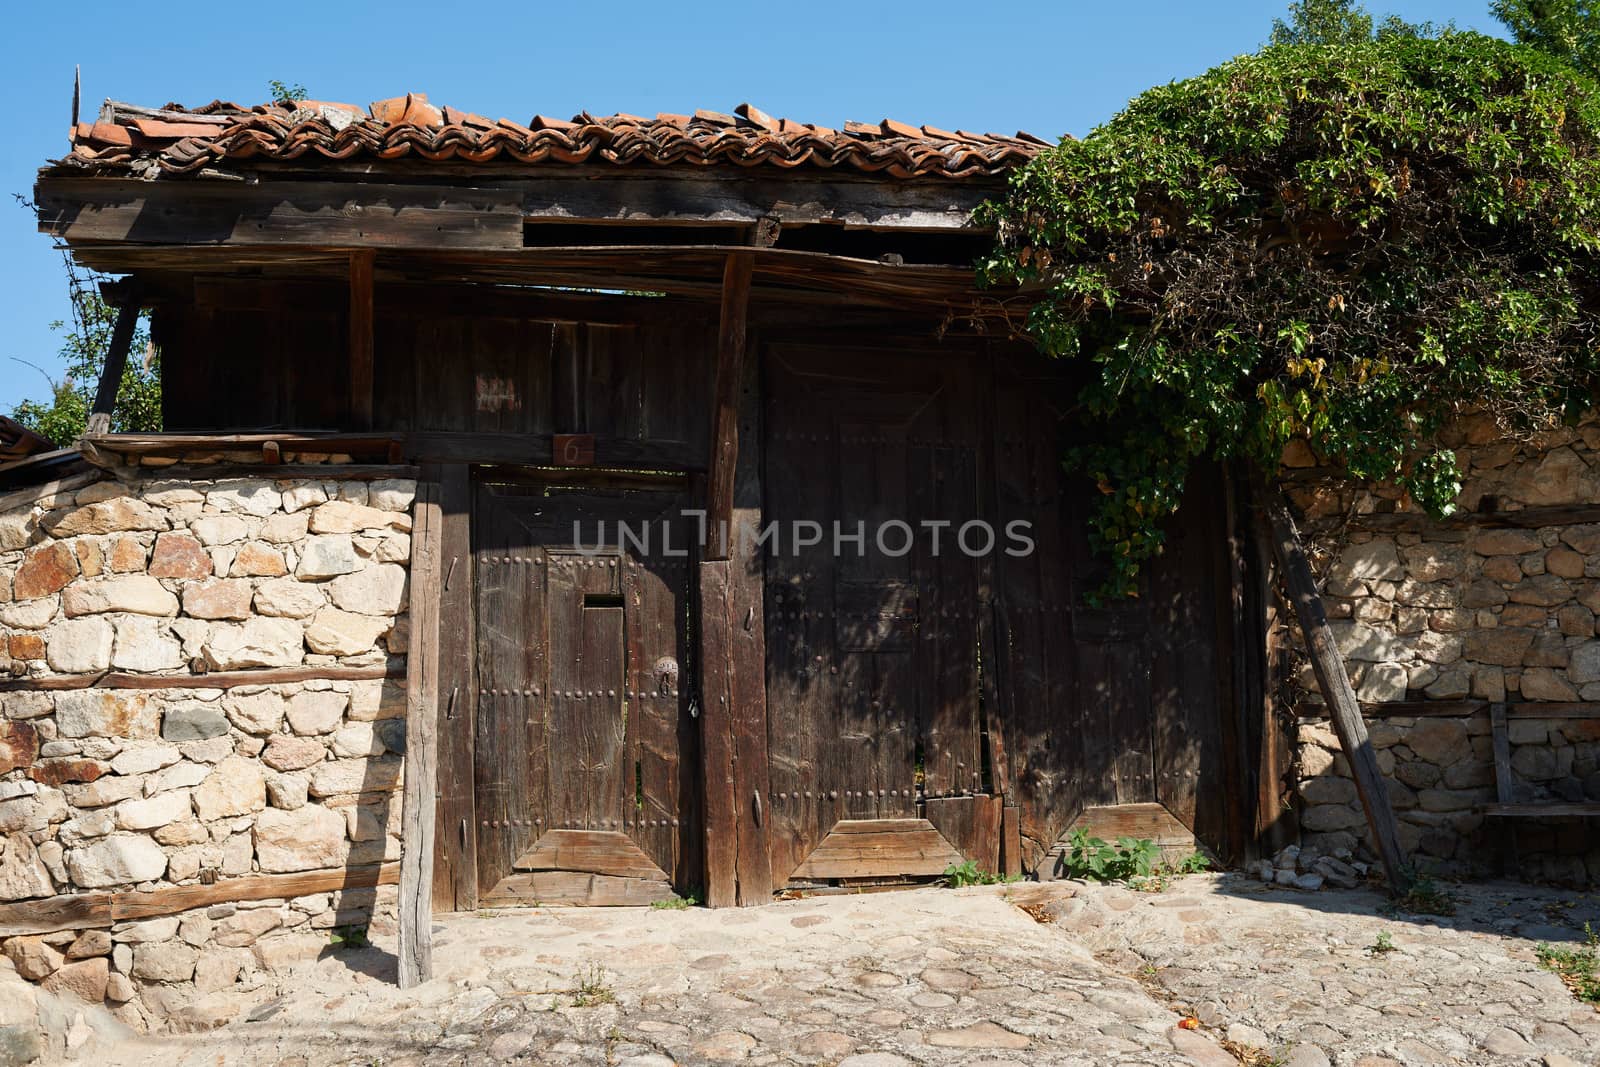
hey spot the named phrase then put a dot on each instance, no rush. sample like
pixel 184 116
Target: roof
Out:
pixel 178 141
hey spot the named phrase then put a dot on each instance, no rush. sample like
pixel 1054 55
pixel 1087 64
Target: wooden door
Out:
pixel 874 724
pixel 584 750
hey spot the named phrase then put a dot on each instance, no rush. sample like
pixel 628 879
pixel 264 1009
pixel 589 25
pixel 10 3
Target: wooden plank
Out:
pixel 86 910
pixel 311 214
pixel 438 447
pixel 325 472
pixel 174 444
pixel 455 882
pixel 716 735
pixel 1010 842
pixel 1275 822
pixel 105 397
pixel 574 887
pixel 972 826
pixel 1137 821
pixel 1334 683
pixel 1525 519
pixel 591 851
pixel 1436 709
pixel 726 392
pixel 1505 785
pixel 420 802
pixel 1543 811
pixel 218 680
pixel 360 344
pixel 871 848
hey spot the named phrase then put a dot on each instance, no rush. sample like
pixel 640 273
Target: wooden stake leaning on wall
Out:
pixel 361 343
pixel 105 396
pixel 422 748
pixel 1335 686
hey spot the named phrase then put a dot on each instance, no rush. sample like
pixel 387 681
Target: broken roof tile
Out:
pixel 408 127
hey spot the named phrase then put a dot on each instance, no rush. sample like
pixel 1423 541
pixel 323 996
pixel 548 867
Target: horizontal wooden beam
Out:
pixel 1526 519
pixel 301 214
pixel 219 680
pixel 83 911
pixel 1445 709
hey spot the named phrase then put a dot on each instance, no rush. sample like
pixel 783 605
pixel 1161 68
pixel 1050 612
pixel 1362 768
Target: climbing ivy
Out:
pixel 1344 244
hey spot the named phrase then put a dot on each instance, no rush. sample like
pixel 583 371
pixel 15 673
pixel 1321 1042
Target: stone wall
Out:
pixel 1459 612
pixel 114 789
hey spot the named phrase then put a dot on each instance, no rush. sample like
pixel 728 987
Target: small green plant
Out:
pixel 675 903
pixel 286 94
pixel 594 988
pixel 1383 945
pixel 1098 860
pixel 1193 863
pixel 348 937
pixel 960 875
pixel 1425 897
pixel 1578 968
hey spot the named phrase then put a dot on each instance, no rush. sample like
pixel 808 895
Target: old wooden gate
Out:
pixel 585 773
pixel 875 727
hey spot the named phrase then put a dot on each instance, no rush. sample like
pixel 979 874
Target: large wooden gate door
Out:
pixel 874 725
pixel 584 749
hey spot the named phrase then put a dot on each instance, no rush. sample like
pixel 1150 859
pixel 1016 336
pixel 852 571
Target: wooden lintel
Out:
pixel 725 405
pixel 362 263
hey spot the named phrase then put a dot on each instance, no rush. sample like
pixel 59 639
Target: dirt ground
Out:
pixel 938 976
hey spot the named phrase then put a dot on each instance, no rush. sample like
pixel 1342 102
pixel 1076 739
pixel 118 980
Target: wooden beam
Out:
pixel 361 344
pixel 82 911
pixel 455 872
pixel 716 734
pixel 219 680
pixel 1455 709
pixel 105 395
pixel 301 214
pixel 1334 683
pixel 418 812
pixel 725 405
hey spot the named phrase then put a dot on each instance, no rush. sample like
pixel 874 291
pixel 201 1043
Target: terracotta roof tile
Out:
pixel 184 141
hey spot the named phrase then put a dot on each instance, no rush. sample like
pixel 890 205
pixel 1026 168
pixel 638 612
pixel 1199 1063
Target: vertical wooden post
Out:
pixel 105 394
pixel 1334 683
pixel 422 737
pixel 361 343
pixel 732 622
pixel 725 405
pixel 455 875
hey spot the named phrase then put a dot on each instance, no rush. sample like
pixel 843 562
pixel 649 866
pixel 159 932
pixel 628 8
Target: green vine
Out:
pixel 1348 244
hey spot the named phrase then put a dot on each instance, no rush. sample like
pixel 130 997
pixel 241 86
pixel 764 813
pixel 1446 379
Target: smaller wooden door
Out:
pixel 584 756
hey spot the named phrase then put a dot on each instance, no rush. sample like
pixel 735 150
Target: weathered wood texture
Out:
pixel 89 910
pixel 582 728
pixel 215 680
pixel 726 389
pixel 419 812
pixel 574 887
pixel 1334 684
pixel 360 344
pixel 455 870
pixel 879 848
pixel 972 825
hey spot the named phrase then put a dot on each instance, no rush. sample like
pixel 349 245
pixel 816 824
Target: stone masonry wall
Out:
pixel 117 789
pixel 1463 611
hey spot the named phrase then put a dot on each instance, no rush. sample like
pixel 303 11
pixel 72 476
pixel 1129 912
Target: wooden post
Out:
pixel 725 405
pixel 455 874
pixel 361 344
pixel 1335 686
pixel 422 738
pixel 732 622
pixel 105 395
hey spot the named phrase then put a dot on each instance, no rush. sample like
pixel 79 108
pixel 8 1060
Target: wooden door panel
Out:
pixel 872 649
pixel 582 728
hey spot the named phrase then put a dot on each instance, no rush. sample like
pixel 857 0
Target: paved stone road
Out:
pixel 933 977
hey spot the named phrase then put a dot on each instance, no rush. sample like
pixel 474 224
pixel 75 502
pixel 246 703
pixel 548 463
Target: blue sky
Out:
pixel 1048 68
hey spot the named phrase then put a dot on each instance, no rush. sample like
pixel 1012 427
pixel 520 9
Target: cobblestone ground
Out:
pixel 938 976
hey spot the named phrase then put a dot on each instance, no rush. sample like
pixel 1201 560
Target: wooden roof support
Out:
pixel 361 343
pixel 725 403
pixel 105 396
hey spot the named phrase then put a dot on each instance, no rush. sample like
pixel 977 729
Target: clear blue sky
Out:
pixel 1052 67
